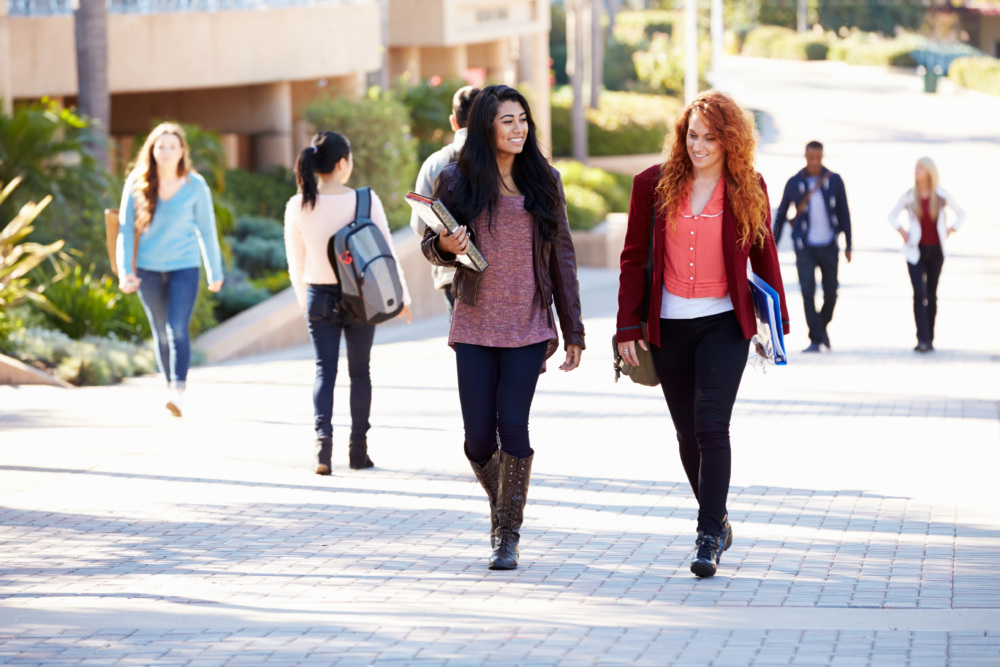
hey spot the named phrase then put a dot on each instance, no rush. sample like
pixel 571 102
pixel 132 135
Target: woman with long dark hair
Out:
pixel 323 206
pixel 712 215
pixel 511 205
pixel 924 239
pixel 167 209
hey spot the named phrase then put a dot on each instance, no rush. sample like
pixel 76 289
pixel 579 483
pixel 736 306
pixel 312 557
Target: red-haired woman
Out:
pixel 712 215
pixel 171 208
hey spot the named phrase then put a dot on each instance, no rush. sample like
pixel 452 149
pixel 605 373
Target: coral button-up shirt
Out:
pixel 694 264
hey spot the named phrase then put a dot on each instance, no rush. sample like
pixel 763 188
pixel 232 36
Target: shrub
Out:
pixel 385 154
pixel 619 65
pixel 637 27
pixel 624 123
pixel 777 42
pixel 429 104
pixel 273 283
pixel 91 361
pixel 253 194
pixel 18 258
pixel 45 146
pixel 238 294
pixel 258 245
pixel 584 207
pixel 613 188
pixel 865 48
pixel 982 74
pixel 94 305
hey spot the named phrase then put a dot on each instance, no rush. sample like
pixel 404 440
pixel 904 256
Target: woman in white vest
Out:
pixel 924 236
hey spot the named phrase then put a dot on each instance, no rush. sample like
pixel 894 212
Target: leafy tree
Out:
pixel 429 104
pixel 385 152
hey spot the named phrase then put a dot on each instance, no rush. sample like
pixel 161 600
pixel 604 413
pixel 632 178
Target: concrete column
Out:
pixel 802 16
pixel 274 146
pixel 405 60
pixel 499 66
pixel 444 61
pixel 718 35
pixel 6 78
pixel 690 50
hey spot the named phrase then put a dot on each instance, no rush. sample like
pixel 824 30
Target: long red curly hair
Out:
pixel 146 187
pixel 736 133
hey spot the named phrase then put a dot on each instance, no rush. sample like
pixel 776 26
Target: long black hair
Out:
pixel 321 156
pixel 477 187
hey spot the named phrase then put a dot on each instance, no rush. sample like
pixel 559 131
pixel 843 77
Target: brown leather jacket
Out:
pixel 555 267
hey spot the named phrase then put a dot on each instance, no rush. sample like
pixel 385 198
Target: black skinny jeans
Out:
pixel 924 276
pixel 807 260
pixel 495 387
pixel 326 324
pixel 700 366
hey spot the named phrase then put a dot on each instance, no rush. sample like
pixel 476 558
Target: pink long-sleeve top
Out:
pixel 308 232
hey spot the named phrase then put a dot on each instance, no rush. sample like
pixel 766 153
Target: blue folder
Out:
pixel 767 307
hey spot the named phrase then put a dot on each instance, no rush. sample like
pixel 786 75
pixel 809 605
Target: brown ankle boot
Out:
pixel 324 451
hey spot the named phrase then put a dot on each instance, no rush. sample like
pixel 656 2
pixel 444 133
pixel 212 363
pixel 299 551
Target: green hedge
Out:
pixel 90 361
pixel 585 208
pixel 773 41
pixel 982 74
pixel 624 123
pixel 615 189
pixel 867 48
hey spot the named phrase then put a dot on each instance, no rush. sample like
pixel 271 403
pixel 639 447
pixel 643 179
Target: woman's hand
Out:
pixel 215 287
pixel 951 230
pixel 573 354
pixel 129 283
pixel 407 313
pixel 456 243
pixel 627 350
pixel 904 234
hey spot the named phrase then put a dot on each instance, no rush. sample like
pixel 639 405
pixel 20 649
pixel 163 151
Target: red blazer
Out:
pixel 633 264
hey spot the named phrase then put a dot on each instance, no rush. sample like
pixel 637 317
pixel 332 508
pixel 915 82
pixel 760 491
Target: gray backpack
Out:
pixel 370 288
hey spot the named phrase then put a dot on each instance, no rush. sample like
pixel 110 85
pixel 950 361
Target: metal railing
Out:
pixel 23 8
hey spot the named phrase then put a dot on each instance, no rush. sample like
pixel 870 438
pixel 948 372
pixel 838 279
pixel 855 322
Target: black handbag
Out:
pixel 645 372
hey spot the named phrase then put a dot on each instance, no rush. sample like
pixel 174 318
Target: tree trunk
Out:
pixel 574 67
pixel 596 53
pixel 94 98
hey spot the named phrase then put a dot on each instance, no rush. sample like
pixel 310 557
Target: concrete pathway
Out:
pixel 863 494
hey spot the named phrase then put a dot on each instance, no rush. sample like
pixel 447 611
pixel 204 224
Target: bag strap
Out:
pixel 812 191
pixel 644 313
pixel 363 204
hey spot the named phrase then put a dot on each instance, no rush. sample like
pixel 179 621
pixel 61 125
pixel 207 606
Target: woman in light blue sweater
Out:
pixel 171 207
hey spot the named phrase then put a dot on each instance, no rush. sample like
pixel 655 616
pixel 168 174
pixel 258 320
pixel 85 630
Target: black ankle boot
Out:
pixel 357 454
pixel 488 475
pixel 324 450
pixel 706 559
pixel 512 494
pixel 727 533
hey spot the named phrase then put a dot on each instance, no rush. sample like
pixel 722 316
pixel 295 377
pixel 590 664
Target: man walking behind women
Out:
pixel 430 172
pixel 821 214
pixel 710 215
pixel 510 203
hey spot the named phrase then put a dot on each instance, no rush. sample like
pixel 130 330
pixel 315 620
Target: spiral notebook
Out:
pixel 439 218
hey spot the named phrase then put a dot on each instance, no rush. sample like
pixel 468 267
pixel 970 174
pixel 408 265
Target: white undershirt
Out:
pixel 675 307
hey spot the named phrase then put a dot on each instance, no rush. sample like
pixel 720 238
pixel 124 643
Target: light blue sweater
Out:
pixel 181 235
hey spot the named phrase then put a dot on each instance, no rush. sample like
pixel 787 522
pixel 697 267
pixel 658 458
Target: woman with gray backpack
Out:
pixel 325 214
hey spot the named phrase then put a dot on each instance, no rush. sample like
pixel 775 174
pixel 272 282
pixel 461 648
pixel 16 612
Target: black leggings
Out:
pixel 924 276
pixel 700 366
pixel 496 386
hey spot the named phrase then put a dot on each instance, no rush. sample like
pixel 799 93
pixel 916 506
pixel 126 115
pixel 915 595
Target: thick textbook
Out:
pixel 438 218
pixel 767 306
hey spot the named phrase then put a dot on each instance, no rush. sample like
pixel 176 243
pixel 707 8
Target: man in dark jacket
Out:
pixel 821 214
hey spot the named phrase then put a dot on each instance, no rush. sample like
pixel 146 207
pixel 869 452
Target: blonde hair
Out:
pixel 146 188
pixel 931 169
pixel 736 132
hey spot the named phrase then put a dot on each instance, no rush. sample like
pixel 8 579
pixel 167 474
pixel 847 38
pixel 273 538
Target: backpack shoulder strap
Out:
pixel 363 205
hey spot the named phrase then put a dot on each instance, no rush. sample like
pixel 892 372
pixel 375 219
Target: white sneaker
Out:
pixel 174 404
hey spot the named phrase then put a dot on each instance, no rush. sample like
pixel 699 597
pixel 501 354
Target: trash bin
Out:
pixel 931 76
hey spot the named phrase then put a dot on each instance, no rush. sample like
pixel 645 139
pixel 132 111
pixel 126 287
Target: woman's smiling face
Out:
pixel 702 147
pixel 511 127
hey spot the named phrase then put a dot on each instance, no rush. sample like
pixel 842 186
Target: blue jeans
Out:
pixel 168 298
pixel 495 387
pixel 326 324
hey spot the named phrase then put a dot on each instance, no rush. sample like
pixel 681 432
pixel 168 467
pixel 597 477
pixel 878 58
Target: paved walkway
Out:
pixel 863 497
